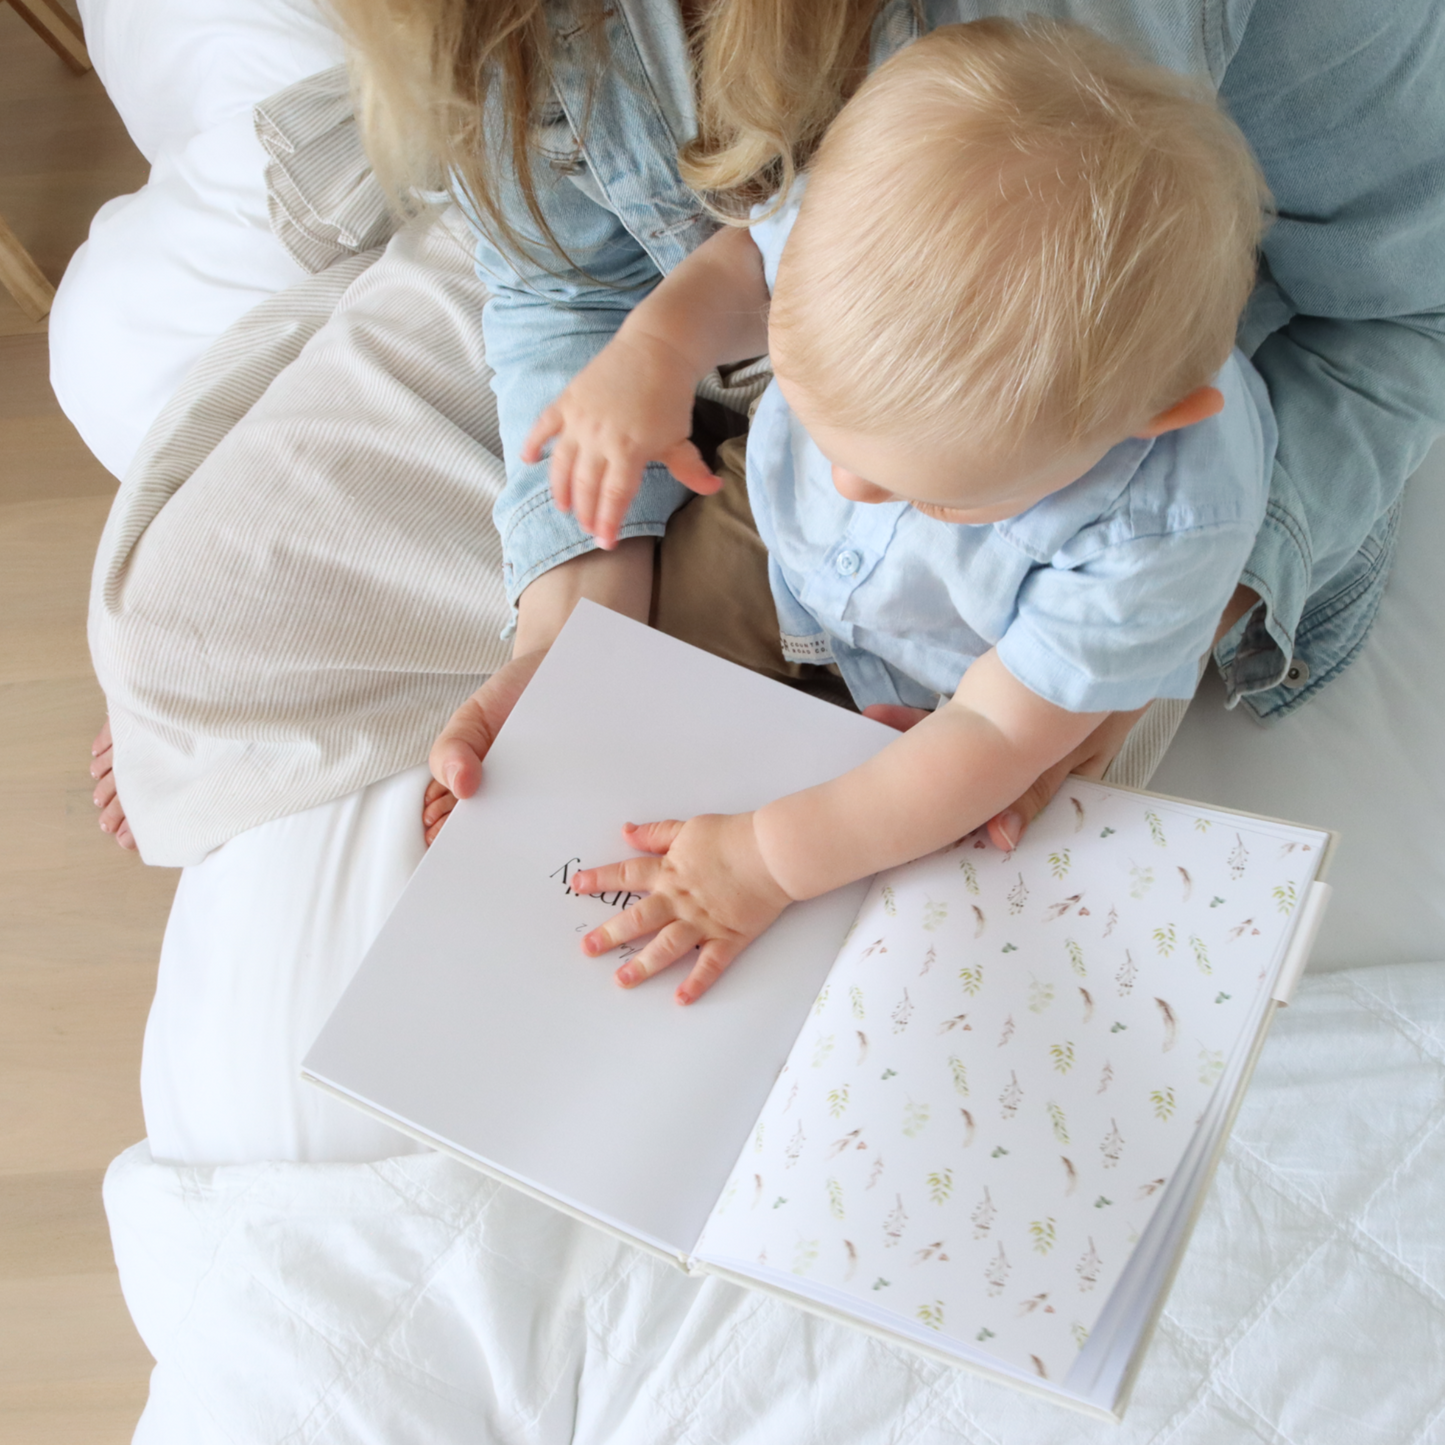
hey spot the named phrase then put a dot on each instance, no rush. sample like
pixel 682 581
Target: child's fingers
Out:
pixel 685 462
pixel 620 484
pixel 653 837
pixel 642 918
pixel 543 430
pixel 634 874
pixel 714 957
pixel 559 474
pixel 675 940
pixel 587 472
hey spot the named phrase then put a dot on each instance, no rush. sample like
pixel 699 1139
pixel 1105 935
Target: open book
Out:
pixel 972 1105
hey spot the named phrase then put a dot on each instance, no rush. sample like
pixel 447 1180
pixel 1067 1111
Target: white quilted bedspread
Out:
pixel 414 1300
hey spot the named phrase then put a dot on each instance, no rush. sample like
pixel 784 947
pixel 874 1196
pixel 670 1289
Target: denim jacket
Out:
pixel 1343 104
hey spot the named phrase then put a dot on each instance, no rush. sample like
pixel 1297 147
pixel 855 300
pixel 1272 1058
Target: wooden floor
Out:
pixel 80 922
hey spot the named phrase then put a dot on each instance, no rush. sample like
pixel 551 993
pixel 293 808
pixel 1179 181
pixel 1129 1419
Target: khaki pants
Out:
pixel 710 585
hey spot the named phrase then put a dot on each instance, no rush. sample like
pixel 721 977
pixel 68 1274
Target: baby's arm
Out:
pixel 938 781
pixel 633 403
pixel 717 882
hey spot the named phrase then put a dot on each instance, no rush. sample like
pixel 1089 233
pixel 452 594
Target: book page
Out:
pixel 1007 1066
pixel 477 1022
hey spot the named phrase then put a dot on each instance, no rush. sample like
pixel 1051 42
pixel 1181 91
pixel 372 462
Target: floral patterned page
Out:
pixel 1007 1065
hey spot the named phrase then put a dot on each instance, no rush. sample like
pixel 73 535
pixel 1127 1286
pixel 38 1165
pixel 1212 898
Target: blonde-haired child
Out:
pixel 1008 458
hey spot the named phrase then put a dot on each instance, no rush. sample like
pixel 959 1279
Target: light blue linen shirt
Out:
pixel 1098 598
pixel 1343 104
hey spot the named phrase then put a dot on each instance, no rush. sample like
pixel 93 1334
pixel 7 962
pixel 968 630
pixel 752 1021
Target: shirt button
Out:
pixel 848 562
pixel 1298 674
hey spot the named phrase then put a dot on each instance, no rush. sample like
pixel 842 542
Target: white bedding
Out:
pixel 414 1300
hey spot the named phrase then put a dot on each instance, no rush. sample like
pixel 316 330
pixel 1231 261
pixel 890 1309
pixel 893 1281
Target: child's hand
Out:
pixel 632 404
pixel 708 888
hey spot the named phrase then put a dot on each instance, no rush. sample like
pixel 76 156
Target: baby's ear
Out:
pixel 1200 404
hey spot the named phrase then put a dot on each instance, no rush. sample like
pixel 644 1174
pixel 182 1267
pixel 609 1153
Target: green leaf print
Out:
pixel 1059 863
pixel 1211 1065
pixel 838 1100
pixel 1201 954
pixel 984 1334
pixel 821 1049
pixel 805 1256
pixel 915 1119
pixel 1164 940
pixel 1044 1235
pixel 1141 880
pixel 971 979
pixel 1041 995
pixel 890 902
pixel 881 1283
pixel 1063 1056
pixel 1163 1101
pixel 821 1002
pixel 855 997
pixel 1201 825
pixel 932 1315
pixel 940 1185
pixel 1009 948
pixel 1076 957
pixel 934 915
pixel 835 1199
pixel 1156 828
pixel 970 876
pixel 1284 897
pixel 959 1071
pixel 1056 1118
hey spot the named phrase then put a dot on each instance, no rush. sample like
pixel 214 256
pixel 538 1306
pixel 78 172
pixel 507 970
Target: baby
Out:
pixel 1009 467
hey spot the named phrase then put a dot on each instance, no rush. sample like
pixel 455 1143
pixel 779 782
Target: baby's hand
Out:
pixel 632 404
pixel 708 888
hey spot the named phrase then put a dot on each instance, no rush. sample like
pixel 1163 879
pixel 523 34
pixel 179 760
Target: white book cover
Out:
pixel 972 1104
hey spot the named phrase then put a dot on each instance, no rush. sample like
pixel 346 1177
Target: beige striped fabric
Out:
pixel 323 200
pixel 300 579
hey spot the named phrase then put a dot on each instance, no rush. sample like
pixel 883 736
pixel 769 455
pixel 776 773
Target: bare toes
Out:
pixel 100 764
pixel 112 817
pixel 125 837
pixel 104 793
pixel 102 740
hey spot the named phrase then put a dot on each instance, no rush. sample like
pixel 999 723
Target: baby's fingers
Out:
pixel 711 961
pixel 560 474
pixel 675 940
pixel 685 462
pixel 619 486
pixel 653 837
pixel 543 430
pixel 641 918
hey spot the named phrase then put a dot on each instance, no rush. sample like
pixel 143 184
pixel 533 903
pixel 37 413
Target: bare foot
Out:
pixel 112 815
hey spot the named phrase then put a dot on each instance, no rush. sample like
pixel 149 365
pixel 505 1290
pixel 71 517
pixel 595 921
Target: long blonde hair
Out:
pixel 771 76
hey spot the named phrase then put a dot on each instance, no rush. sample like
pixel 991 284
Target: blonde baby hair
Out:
pixel 1017 228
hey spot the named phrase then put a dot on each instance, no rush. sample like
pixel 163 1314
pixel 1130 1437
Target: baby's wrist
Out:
pixel 776 836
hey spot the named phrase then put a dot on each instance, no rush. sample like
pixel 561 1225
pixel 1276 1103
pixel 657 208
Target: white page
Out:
pixel 476 1020
pixel 1008 1068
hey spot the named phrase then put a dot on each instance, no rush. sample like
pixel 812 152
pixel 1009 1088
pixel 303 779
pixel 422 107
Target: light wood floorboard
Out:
pixel 80 922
